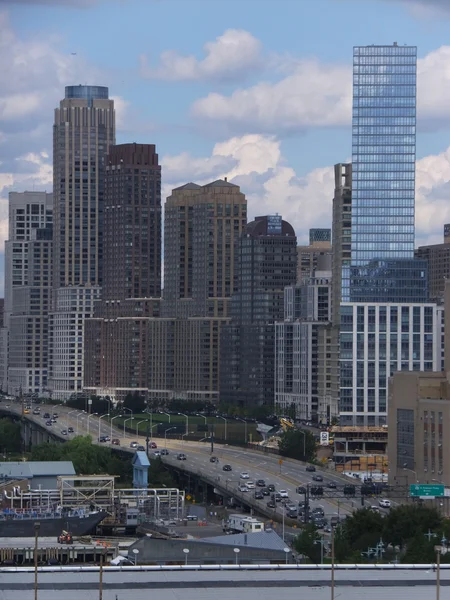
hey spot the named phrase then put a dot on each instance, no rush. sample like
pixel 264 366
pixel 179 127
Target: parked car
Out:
pixel 244 475
pixel 115 442
pixel 226 468
pixel 181 456
pixel 260 483
pixel 70 430
pixel 310 468
pixel 134 444
pixel 385 503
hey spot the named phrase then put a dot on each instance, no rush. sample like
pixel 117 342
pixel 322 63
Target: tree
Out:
pixel 135 402
pixel 158 475
pixel 294 442
pixel 419 550
pixel 10 436
pixel 404 521
pixel 308 543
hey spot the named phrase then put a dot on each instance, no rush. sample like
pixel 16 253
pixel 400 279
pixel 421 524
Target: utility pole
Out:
pixel 332 563
pixel 147 438
pixel 37 526
pixel 100 589
pixel 212 438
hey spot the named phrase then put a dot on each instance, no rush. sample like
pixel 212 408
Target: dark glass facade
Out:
pixel 383 178
pixel 87 92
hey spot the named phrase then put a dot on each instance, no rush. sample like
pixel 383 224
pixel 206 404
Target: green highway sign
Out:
pixel 426 490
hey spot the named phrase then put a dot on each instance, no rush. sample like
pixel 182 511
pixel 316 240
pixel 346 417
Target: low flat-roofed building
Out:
pixel 360 448
pixel 39 473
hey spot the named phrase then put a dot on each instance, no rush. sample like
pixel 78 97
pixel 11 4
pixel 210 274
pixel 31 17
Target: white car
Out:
pixel 243 488
pixel 385 503
pixel 244 475
pixel 250 485
pixel 283 494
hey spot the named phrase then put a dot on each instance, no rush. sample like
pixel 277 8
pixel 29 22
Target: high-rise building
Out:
pixel 386 323
pixel 267 263
pixel 83 131
pixel 202 228
pixel 117 338
pixel 383 268
pixel 438 261
pixel 313 257
pixel 303 350
pixel 28 289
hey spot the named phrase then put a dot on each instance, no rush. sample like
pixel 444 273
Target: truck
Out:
pixel 242 524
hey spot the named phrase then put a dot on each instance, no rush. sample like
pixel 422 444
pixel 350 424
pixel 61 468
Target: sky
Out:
pixel 258 91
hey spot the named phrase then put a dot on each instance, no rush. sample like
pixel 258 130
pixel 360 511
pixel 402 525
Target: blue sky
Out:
pixel 256 90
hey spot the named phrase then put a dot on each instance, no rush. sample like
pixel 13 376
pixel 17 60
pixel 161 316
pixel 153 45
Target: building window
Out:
pixel 405 438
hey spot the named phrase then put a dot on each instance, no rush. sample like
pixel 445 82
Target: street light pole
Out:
pixel 89 416
pixel 225 432
pixel 100 423
pixel 111 423
pixel 124 424
pixel 165 436
pixel 187 422
pixel 332 563
pixel 68 415
pixel 78 416
pixel 245 423
pixel 37 526
pixel 304 442
pixel 137 426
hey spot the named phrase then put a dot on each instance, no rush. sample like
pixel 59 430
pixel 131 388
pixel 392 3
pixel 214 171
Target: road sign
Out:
pixel 426 490
pixel 324 438
pixel 280 462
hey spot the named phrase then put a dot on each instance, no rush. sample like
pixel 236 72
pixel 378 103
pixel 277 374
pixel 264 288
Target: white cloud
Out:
pixel 255 162
pixel 319 95
pixel 230 57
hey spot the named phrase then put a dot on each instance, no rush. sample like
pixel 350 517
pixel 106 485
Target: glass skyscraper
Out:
pixel 383 268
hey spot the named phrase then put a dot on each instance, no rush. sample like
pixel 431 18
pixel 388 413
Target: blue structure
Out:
pixel 383 268
pixel 140 470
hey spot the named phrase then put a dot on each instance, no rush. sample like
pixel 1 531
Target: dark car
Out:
pixel 115 442
pixel 227 468
pixel 213 459
pixel 140 448
pixel 258 495
pixel 265 491
pixel 277 497
pixel 317 512
pixel 48 423
pixel 70 430
pixel 317 478
pixel 153 445
pixel 331 485
pixel 181 456
pixel 102 439
pixel 63 431
pixel 260 483
pixel 310 468
pixel 301 490
pixel 46 416
pixel 55 415
pixel 271 504
pixel 164 452
pixel 133 444
pixel 271 487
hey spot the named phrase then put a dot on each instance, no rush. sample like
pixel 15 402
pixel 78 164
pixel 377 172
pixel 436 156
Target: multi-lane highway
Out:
pixel 285 474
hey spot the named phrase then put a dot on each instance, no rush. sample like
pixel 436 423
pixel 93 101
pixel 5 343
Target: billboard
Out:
pixel 274 225
pixel 324 438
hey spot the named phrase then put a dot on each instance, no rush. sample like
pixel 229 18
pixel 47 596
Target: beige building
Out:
pixel 419 422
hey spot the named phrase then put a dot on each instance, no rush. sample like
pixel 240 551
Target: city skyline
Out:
pixel 282 157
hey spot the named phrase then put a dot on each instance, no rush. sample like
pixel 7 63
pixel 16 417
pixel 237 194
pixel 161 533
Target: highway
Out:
pixel 285 476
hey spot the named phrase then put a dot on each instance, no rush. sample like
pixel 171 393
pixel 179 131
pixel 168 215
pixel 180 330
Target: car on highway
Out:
pixel 244 475
pixel 26 411
pixel 36 411
pixel 375 508
pixel 385 503
pixel 265 491
pixel 141 448
pixel 103 439
pixel 331 485
pixel 284 494
pixel 55 415
pixel 181 456
pixel 242 487
pixel 164 452
pixel 260 483
pixel 70 430
pixel 250 485
pixel 46 416
pixel 153 445
pixel 63 431
pixel 317 478
pixel 115 442
pixel 271 504
pixel 277 497
pixel 310 468
pixel 213 459
pixel 301 489
pixel 54 420
pixel 48 423
pixel 157 453
pixel 271 487
pixel 134 444
pixel 258 495
pixel 226 468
